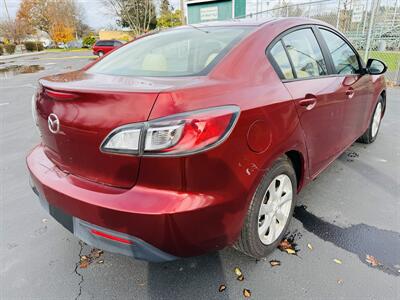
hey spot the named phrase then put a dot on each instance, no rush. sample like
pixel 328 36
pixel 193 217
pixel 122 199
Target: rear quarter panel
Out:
pixel 244 78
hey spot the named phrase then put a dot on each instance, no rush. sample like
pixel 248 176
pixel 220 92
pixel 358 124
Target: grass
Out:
pixel 390 58
pixel 68 50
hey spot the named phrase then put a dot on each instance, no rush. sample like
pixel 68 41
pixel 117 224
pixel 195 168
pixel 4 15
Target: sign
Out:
pixel 358 13
pixel 209 13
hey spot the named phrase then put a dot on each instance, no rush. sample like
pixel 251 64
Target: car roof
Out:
pixel 251 21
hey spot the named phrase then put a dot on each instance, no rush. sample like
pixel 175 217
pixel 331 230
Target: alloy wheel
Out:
pixel 376 119
pixel 275 209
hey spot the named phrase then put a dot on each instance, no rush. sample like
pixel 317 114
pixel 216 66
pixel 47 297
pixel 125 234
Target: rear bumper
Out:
pixel 104 238
pixel 162 224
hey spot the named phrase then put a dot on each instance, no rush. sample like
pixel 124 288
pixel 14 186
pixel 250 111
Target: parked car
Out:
pixel 102 47
pixel 200 137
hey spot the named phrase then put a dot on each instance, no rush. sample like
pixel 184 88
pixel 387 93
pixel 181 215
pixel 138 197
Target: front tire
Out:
pixel 270 211
pixel 370 135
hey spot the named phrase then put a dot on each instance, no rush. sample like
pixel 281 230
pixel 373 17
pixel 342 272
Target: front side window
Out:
pixel 305 53
pixel 278 54
pixel 344 58
pixel 179 52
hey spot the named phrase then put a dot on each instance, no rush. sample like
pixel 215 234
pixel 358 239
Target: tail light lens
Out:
pixel 176 135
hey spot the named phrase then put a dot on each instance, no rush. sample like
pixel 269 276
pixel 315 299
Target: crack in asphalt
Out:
pixel 76 271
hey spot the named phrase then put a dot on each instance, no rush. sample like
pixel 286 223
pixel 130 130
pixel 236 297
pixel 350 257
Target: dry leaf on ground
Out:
pixel 83 264
pixel 338 261
pixel 240 277
pixel 222 288
pixel 238 272
pixel 309 246
pixel 285 244
pixel 246 293
pixel 372 260
pixel 290 251
pixel 274 263
pixel 340 281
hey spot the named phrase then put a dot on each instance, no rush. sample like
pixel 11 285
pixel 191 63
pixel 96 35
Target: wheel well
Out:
pixel 297 161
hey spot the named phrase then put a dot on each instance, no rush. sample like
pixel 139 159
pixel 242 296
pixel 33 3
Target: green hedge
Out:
pixel 10 48
pixel 1 50
pixel 33 46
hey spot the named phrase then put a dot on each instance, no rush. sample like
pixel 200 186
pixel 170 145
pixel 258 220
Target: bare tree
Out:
pixel 138 15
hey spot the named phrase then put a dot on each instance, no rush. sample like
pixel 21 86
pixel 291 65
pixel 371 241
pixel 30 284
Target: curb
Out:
pixel 5 57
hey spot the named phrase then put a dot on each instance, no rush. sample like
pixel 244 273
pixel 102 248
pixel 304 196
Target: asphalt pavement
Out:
pixel 350 211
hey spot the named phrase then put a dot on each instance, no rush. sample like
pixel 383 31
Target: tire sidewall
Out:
pixel 280 167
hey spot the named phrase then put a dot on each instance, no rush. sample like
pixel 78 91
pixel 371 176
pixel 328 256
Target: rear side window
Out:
pixel 178 52
pixel 344 58
pixel 278 54
pixel 305 53
pixel 105 43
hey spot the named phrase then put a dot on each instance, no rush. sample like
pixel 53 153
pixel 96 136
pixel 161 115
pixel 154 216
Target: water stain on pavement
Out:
pixel 14 70
pixel 360 239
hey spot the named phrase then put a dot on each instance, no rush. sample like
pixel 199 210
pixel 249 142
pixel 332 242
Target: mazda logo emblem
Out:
pixel 54 123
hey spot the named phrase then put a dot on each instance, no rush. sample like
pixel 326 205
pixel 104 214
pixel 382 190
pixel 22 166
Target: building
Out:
pixel 123 35
pixel 198 11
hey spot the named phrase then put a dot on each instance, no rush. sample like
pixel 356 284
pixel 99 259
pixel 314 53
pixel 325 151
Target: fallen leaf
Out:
pixel 338 261
pixel 246 293
pixel 238 272
pixel 240 277
pixel 83 257
pixel 44 220
pixel 222 288
pixel 372 260
pixel 340 281
pixel 83 264
pixel 285 244
pixel 100 261
pixel 309 246
pixel 290 251
pixel 274 263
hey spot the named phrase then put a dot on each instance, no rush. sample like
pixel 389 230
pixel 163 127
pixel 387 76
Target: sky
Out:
pixel 95 14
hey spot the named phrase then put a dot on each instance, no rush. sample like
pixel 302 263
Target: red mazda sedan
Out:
pixel 197 138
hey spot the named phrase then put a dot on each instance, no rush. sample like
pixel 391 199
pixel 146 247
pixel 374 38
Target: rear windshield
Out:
pixel 180 52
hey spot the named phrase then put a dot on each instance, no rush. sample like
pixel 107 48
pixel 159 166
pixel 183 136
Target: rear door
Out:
pixel 356 89
pixel 305 72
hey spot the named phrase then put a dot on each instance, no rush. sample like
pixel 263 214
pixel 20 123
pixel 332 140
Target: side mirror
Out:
pixel 375 67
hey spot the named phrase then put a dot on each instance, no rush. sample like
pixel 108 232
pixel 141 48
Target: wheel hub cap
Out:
pixel 275 209
pixel 376 119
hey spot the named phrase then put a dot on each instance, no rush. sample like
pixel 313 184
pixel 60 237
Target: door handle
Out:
pixel 350 93
pixel 308 103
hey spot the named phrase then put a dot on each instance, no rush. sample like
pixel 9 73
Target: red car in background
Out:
pixel 199 137
pixel 102 47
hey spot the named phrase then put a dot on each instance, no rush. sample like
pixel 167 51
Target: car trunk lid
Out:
pixel 88 108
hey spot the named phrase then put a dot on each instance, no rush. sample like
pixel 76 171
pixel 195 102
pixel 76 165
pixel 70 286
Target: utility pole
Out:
pixel 338 16
pixel 371 24
pixel 182 7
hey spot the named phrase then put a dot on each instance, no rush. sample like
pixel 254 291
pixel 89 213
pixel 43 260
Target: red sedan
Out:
pixel 197 138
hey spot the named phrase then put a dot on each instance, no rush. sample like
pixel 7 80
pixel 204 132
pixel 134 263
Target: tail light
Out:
pixel 176 135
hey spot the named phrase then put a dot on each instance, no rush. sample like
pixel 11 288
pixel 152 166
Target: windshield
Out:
pixel 181 52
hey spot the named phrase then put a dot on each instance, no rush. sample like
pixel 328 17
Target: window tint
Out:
pixel 305 53
pixel 278 53
pixel 344 58
pixel 105 43
pixel 178 52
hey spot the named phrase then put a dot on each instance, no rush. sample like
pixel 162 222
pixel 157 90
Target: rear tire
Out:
pixel 100 53
pixel 371 133
pixel 265 209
